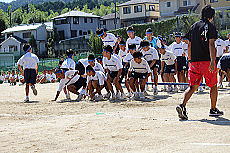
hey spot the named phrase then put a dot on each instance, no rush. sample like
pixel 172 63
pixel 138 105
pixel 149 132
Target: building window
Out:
pixel 84 33
pixel 9 34
pixel 185 3
pixel 127 10
pixel 152 8
pixel 89 32
pixel 60 21
pixel 26 35
pixel 61 35
pixel 13 48
pixel 80 32
pixel 85 20
pixel 73 33
pixel 168 4
pixel 104 22
pixel 213 1
pixel 91 20
pixel 76 20
pixel 137 8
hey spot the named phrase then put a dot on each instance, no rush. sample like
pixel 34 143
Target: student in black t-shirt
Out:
pixel 202 56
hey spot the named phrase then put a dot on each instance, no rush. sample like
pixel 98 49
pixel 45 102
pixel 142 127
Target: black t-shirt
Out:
pixel 199 35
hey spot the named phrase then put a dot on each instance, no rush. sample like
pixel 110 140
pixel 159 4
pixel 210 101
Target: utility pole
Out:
pixel 115 20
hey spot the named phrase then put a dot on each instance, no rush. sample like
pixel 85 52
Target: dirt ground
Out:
pixel 104 127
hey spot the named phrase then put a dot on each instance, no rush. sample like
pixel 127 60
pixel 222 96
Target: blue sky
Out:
pixel 7 1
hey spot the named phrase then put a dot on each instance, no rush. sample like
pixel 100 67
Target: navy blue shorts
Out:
pixel 181 63
pixel 30 76
pixel 136 75
pixel 169 68
pixel 81 82
pixel 225 63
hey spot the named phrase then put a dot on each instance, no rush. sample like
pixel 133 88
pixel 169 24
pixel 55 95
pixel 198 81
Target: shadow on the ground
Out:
pixel 30 102
pixel 217 121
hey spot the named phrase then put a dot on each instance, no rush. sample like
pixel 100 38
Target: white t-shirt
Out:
pixel 185 46
pixel 1 77
pixel 122 54
pixel 227 44
pixel 68 64
pixel 143 67
pixel 220 47
pixel 110 39
pixel 114 64
pixel 128 58
pixel 150 55
pixel 136 41
pixel 68 75
pixel 28 61
pixel 177 49
pixel 100 76
pixel 169 58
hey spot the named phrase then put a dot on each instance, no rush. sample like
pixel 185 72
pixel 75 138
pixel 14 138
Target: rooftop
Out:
pixel 77 13
pixel 110 16
pixel 138 2
pixel 25 27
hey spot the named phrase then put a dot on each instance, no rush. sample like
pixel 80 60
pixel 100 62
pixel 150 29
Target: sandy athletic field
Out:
pixel 104 127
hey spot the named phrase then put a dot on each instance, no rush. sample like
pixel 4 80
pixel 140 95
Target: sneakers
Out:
pixel 67 96
pixel 122 97
pixel 155 91
pixel 34 90
pixel 228 85
pixel 129 95
pixel 26 100
pixel 146 93
pixel 169 89
pixel 141 95
pixel 220 86
pixel 215 112
pixel 175 89
pixel 182 113
pixel 99 98
pixel 107 96
pixel 200 89
pixel 113 96
pixel 80 97
pixel 135 96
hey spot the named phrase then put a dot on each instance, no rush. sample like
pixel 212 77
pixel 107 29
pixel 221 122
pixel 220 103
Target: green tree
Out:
pixel 95 44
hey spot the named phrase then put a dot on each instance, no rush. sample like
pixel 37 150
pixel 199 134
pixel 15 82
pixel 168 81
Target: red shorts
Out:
pixel 198 70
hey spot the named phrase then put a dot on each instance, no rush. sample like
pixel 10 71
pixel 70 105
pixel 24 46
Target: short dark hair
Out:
pixel 131 46
pixel 122 42
pixel 108 48
pixel 149 30
pixel 69 52
pixel 144 43
pixel 26 47
pixel 130 28
pixel 91 57
pixel 207 12
pixel 89 68
pixel 100 31
pixel 137 55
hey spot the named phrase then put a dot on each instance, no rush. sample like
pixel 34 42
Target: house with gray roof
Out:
pixel 75 24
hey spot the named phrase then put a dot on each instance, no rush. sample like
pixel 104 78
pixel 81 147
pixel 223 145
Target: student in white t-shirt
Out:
pixel 139 71
pixel 113 69
pixel 177 48
pixel 132 38
pixel 95 83
pixel 29 62
pixel 68 63
pixel 1 78
pixel 13 78
pixel 64 78
pixel 107 38
pixel 150 54
pixel 168 67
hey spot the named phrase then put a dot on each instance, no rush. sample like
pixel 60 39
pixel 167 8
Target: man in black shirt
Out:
pixel 202 56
